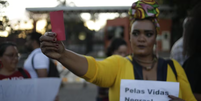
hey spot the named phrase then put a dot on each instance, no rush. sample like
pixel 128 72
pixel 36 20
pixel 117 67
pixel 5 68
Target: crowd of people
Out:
pixel 142 64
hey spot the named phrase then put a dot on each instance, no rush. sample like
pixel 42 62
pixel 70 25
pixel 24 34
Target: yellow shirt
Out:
pixel 109 72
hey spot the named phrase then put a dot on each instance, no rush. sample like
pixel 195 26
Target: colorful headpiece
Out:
pixel 144 9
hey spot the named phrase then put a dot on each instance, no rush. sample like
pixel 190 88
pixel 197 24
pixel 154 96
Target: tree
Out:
pixel 4 21
pixel 4 3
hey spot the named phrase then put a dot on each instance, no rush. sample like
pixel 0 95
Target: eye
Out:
pixel 149 34
pixel 12 55
pixel 9 55
pixel 135 33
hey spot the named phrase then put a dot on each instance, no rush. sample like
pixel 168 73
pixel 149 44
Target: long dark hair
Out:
pixel 4 45
pixel 115 44
pixel 193 33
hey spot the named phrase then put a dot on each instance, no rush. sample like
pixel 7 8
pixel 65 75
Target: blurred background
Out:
pixel 89 27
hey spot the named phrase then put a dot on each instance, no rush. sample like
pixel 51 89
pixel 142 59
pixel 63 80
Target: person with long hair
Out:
pixel 192 49
pixel 177 51
pixel 145 64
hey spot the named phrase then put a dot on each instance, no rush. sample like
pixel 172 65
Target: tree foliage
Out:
pixel 4 3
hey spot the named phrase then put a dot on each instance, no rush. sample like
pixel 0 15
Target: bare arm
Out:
pixel 41 73
pixel 74 62
pixel 56 50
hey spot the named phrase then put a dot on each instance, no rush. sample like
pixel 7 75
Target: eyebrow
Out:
pixel 144 30
pixel 148 31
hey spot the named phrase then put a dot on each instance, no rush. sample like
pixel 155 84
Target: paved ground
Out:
pixel 76 92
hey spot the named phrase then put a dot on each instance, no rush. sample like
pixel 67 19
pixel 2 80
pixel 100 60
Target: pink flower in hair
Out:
pixel 146 8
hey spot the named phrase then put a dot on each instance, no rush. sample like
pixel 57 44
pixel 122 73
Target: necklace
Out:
pixel 147 62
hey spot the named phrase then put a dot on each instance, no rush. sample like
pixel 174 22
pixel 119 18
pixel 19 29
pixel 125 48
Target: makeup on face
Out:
pixel 143 37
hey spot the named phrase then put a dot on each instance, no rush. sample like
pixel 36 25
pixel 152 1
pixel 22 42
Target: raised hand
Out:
pixel 50 46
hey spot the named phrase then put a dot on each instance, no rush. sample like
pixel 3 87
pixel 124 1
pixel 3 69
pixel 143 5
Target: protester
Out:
pixel 118 46
pixel 37 63
pixel 110 72
pixel 192 49
pixel 177 52
pixel 8 63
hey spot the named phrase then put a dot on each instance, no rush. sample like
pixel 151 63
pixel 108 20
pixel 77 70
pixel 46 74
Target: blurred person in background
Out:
pixel 37 63
pixel 118 46
pixel 192 48
pixel 8 63
pixel 110 71
pixel 177 52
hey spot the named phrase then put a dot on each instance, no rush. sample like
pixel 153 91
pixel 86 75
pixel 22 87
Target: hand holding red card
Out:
pixel 57 23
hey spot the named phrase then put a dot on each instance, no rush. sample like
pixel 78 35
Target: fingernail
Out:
pixel 56 44
pixel 54 39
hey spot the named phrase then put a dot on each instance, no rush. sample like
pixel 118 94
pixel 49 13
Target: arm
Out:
pixel 55 49
pixel 99 72
pixel 41 73
pixel 74 62
pixel 103 73
pixel 187 94
pixel 41 65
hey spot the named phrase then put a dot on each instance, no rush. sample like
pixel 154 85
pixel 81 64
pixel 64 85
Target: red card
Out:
pixel 57 23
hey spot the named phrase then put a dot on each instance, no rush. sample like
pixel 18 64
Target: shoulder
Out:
pixel 29 76
pixel 117 58
pixel 25 71
pixel 178 44
pixel 41 56
pixel 178 67
pixel 192 62
pixel 194 59
pixel 21 70
pixel 173 64
pixel 176 63
pixel 110 59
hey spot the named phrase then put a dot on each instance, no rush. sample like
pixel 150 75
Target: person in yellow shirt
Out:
pixel 143 64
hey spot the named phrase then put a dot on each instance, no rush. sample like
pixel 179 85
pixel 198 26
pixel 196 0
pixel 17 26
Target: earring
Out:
pixel 1 65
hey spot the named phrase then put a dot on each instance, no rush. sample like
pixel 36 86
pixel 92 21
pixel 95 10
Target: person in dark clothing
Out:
pixel 192 49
